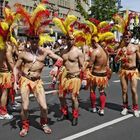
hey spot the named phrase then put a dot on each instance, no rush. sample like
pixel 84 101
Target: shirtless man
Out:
pixel 128 55
pixel 70 79
pixel 32 62
pixel 6 80
pixel 13 52
pixel 99 79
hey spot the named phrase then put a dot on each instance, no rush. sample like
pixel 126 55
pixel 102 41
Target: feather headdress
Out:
pixel 35 21
pixel 65 25
pixel 122 23
pixel 99 32
pixel 7 26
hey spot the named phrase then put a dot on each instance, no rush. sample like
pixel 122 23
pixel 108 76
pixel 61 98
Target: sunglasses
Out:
pixel 127 37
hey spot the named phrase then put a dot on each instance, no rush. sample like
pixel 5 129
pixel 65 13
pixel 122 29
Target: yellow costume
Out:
pixel 100 81
pixel 35 86
pixel 6 79
pixel 134 73
pixel 69 82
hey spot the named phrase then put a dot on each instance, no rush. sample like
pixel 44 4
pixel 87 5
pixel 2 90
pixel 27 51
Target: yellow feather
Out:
pixel 92 27
pixel 4 25
pixel 137 20
pixel 88 39
pixel 78 33
pixel 60 25
pixel 40 7
pixel 45 38
pixel 120 22
pixel 13 40
pixel 102 24
pixel 126 16
pixel 106 36
pixel 118 28
pixel 96 39
pixel 2 44
pixel 69 20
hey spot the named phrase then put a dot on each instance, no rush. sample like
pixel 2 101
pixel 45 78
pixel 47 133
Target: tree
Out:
pixel 101 9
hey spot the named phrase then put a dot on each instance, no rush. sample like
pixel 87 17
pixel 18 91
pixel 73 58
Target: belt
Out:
pixel 130 68
pixel 30 78
pixel 4 71
pixel 71 75
pixel 99 74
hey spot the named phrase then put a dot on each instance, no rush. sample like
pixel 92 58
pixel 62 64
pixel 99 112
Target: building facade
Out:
pixel 61 7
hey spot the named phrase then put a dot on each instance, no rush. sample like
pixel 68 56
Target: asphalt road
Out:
pixel 91 126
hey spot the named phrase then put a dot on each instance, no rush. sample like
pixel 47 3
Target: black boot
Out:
pixel 74 121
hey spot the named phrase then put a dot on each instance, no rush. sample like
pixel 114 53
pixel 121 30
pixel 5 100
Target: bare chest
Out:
pixel 70 56
pixel 32 57
pixel 129 51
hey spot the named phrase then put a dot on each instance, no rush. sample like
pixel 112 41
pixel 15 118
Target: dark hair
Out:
pixel 32 38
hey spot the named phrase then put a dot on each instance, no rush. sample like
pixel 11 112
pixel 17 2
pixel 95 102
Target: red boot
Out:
pixel 25 128
pixel 75 114
pixel 44 125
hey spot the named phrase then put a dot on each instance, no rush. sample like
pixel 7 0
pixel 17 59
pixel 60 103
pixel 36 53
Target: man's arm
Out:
pixel 9 56
pixel 53 55
pixel 92 58
pixel 81 59
pixel 17 67
pixel 138 53
pixel 57 64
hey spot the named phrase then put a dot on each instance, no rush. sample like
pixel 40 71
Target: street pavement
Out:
pixel 91 126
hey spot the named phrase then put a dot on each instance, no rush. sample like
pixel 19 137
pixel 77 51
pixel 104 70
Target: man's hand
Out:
pixel 54 71
pixel 16 87
pixel 109 73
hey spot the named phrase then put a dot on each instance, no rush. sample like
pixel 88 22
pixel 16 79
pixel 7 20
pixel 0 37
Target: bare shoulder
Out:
pixel 46 50
pixel 22 55
pixel 78 50
pixel 8 46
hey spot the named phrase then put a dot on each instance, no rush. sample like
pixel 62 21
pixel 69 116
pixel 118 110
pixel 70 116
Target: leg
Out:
pixel 75 111
pixel 41 99
pixel 134 96
pixel 64 108
pixel 3 108
pixel 24 111
pixel 93 98
pixel 102 100
pixel 124 85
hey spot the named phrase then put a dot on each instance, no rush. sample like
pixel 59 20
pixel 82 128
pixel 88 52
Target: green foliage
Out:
pixel 101 9
pixel 81 9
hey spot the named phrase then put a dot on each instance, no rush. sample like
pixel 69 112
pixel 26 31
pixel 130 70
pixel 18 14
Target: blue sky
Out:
pixel 131 5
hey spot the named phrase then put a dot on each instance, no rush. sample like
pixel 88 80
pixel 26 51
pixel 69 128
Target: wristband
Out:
pixel 58 63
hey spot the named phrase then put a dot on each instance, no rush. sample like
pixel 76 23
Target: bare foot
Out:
pixel 46 129
pixel 23 132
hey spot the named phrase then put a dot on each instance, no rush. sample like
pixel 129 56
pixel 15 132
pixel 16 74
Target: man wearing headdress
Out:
pixel 99 77
pixel 69 78
pixel 32 61
pixel 6 65
pixel 6 61
pixel 127 55
pixel 99 62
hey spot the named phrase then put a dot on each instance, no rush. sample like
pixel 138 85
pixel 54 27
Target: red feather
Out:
pixel 95 21
pixel 20 10
pixel 105 29
pixel 80 39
